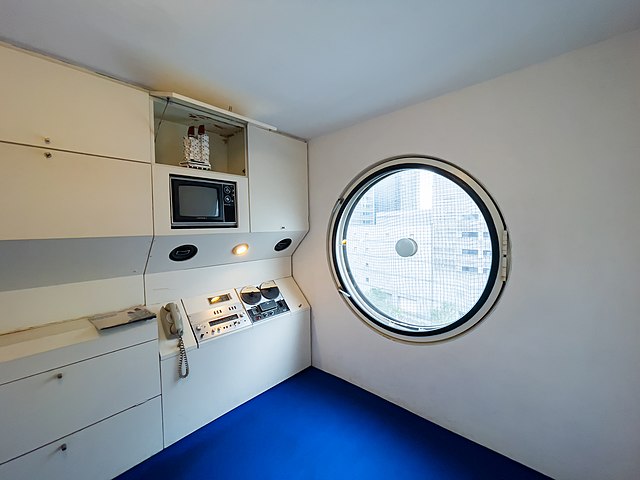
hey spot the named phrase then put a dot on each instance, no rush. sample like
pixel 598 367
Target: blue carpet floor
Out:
pixel 316 426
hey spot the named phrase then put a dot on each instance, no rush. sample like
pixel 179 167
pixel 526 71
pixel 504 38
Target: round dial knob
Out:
pixel 269 289
pixel 250 295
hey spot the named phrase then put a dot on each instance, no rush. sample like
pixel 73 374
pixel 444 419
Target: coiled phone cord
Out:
pixel 182 360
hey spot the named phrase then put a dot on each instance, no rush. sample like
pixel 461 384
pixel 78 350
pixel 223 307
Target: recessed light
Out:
pixel 240 249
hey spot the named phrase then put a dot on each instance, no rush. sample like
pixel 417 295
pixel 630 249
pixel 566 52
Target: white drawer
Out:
pixel 77 111
pixel 42 408
pixel 101 451
pixel 36 350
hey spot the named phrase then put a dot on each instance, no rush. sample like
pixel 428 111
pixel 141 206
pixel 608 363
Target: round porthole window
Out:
pixel 418 249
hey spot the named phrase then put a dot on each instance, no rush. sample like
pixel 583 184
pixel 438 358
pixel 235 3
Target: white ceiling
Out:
pixel 310 67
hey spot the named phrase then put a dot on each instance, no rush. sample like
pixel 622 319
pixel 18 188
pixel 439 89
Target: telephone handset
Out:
pixel 174 327
pixel 173 320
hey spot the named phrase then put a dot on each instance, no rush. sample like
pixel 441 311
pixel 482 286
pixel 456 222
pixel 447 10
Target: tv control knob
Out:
pixel 227 199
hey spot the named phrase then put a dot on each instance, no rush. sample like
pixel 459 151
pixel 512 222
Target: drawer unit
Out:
pixel 49 104
pixel 42 408
pixel 100 451
pixel 36 350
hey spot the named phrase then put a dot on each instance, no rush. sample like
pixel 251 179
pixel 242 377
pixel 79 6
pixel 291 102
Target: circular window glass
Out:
pixel 418 248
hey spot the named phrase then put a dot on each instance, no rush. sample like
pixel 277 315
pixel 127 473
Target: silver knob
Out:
pixel 48 154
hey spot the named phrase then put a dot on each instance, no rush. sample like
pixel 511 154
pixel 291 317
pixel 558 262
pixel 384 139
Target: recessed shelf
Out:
pixel 174 114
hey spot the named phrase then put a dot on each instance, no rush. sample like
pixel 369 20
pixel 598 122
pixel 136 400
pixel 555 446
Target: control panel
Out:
pixel 263 301
pixel 224 312
pixel 214 315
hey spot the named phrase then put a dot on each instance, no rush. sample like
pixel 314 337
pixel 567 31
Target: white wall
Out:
pixel 552 377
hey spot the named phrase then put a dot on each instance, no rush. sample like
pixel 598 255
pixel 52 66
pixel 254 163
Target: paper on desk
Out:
pixel 123 317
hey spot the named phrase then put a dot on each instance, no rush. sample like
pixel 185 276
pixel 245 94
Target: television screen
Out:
pixel 198 201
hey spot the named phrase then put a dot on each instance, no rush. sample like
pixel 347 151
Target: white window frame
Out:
pixel 500 247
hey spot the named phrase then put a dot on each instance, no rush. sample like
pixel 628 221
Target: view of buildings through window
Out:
pixel 446 276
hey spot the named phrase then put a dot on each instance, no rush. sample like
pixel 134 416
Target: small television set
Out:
pixel 202 202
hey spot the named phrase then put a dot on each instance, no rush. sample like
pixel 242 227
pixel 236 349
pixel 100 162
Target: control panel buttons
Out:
pixel 266 306
pixel 263 302
pixel 215 314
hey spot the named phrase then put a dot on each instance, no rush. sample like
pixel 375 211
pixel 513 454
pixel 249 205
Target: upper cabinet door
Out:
pixel 48 104
pixel 50 194
pixel 278 190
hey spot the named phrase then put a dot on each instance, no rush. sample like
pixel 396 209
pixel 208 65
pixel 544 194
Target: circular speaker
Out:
pixel 183 252
pixel 282 244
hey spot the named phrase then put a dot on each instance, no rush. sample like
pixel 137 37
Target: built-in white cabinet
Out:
pixel 101 451
pixel 269 169
pixel 231 370
pixel 53 194
pixel 278 192
pixel 234 367
pixel 275 164
pixel 41 408
pixel 49 104
pixel 75 184
pixel 69 408
pixel 162 200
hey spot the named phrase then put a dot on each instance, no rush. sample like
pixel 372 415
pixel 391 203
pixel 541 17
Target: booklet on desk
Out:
pixel 123 317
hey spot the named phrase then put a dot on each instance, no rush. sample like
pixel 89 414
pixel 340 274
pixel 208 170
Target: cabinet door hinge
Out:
pixel 504 252
pixel 343 293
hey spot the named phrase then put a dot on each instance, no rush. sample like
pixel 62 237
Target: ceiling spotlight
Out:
pixel 240 249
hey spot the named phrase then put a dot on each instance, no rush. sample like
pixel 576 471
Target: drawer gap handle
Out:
pixel 59 375
pixel 63 447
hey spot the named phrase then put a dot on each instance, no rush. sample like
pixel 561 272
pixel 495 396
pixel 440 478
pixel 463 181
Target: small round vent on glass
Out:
pixel 418 249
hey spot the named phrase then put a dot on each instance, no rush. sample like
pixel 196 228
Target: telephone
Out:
pixel 174 327
pixel 172 323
